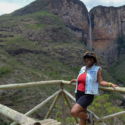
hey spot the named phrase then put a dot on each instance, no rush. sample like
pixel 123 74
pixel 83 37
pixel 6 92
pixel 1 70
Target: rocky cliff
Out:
pixel 108 23
pixel 74 14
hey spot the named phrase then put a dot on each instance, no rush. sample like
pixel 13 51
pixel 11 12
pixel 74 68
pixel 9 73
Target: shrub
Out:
pixel 69 119
pixel 5 70
pixel 101 106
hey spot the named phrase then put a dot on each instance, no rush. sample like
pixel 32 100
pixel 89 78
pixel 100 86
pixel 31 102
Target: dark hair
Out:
pixel 91 54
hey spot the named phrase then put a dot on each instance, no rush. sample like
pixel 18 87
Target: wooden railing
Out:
pixel 23 119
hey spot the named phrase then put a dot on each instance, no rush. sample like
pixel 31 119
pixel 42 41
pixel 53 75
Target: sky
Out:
pixel 8 6
pixel 92 3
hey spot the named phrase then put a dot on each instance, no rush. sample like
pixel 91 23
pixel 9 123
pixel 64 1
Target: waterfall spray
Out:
pixel 90 36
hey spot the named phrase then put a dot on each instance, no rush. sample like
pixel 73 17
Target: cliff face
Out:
pixel 74 14
pixel 108 23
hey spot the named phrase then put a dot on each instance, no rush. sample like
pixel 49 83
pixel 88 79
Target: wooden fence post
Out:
pixel 69 105
pixel 63 106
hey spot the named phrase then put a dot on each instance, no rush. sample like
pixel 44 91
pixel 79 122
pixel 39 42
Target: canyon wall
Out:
pixel 108 23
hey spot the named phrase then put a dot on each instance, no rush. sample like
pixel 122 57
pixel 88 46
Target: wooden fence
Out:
pixel 24 119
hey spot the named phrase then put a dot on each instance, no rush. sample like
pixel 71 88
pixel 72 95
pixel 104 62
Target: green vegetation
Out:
pixel 32 7
pixel 4 70
pixel 2 122
pixel 69 119
pixel 117 70
pixel 121 44
pixel 102 106
pixel 107 77
pixel 36 26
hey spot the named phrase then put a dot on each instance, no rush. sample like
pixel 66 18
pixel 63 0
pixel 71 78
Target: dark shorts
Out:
pixel 83 99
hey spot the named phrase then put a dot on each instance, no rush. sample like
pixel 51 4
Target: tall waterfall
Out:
pixel 90 34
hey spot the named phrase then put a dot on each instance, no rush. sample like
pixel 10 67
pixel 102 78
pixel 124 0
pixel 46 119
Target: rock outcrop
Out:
pixel 108 23
pixel 74 14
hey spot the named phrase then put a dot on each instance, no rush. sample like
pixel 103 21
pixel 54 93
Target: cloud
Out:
pixel 92 3
pixel 1 13
pixel 16 1
pixel 8 6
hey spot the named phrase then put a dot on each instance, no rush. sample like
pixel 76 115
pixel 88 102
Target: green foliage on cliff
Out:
pixel 117 70
pixel 102 106
pixel 4 70
pixel 33 7
pixel 121 44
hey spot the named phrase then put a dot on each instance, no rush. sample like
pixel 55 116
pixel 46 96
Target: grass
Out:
pixel 107 77
pixel 18 42
pixel 36 26
pixel 5 70
pixel 117 70
pixel 34 6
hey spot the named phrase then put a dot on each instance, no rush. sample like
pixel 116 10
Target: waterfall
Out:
pixel 90 34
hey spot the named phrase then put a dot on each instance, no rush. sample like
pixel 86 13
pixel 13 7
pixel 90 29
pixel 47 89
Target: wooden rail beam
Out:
pixel 118 89
pixel 30 84
pixel 69 105
pixel 52 106
pixel 110 116
pixel 16 116
pixel 63 105
pixel 51 82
